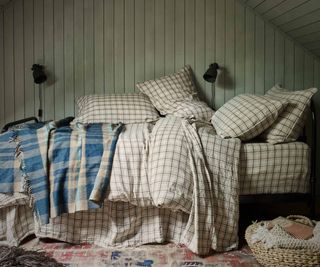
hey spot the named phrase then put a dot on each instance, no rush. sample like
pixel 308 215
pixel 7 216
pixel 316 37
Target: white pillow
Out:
pixel 246 116
pixel 114 108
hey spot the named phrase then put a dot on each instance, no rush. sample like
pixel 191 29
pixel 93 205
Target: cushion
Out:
pixel 113 108
pixel 246 116
pixel 193 109
pixel 166 91
pixel 290 123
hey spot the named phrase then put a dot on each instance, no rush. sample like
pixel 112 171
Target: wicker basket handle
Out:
pixel 301 219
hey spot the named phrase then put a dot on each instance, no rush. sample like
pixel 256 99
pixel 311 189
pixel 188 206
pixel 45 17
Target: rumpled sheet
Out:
pixel 174 180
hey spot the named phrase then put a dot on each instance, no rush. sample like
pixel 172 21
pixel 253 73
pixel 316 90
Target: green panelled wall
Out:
pixel 106 46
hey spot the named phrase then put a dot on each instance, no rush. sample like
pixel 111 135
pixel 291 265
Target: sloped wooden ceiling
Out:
pixel 300 19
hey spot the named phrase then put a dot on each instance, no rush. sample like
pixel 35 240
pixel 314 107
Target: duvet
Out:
pixel 173 180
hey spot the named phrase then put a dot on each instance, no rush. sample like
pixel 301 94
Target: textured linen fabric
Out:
pixel 189 197
pixel 194 110
pixel 66 168
pixel 166 91
pixel 246 116
pixel 290 122
pixel 16 218
pixel 115 108
pixel 268 169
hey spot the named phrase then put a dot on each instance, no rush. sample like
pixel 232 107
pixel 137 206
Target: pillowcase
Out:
pixel 246 116
pixel 194 109
pixel 114 108
pixel 290 123
pixel 166 91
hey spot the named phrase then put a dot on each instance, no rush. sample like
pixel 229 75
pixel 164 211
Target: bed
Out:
pixel 175 178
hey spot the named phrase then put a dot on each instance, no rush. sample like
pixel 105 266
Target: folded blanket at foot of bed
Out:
pixel 67 169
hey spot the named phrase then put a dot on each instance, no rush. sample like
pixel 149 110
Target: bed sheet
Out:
pixel 270 169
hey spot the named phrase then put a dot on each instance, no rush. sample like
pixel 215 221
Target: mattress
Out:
pixel 270 169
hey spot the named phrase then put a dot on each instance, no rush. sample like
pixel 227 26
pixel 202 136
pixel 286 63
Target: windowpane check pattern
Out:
pixel 115 108
pixel 246 116
pixel 290 122
pixel 166 91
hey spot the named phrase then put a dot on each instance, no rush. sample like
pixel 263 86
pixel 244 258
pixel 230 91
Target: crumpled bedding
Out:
pixel 175 166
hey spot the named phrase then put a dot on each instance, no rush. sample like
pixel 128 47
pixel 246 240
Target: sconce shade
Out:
pixel 38 74
pixel 211 74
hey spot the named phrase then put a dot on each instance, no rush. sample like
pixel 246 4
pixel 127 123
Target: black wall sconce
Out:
pixel 39 77
pixel 211 73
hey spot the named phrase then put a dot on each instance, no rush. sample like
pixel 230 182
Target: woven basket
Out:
pixel 280 257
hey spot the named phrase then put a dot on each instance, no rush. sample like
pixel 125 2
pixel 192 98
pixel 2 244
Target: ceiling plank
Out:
pixel 297 12
pixel 309 37
pixel 254 3
pixel 308 29
pixel 267 5
pixel 282 9
pixel 308 19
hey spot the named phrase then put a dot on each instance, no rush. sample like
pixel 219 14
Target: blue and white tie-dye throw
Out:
pixel 67 168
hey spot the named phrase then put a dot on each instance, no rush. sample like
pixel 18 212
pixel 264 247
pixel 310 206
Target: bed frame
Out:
pixel 309 197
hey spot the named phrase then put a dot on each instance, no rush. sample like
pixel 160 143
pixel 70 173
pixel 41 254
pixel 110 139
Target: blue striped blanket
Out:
pixel 67 169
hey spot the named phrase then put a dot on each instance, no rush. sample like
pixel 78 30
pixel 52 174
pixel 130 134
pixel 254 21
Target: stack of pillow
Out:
pixel 172 94
pixel 276 117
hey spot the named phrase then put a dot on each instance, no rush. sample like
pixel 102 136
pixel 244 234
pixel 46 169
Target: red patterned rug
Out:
pixel 147 256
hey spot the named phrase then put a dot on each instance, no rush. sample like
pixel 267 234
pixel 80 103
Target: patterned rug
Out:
pixel 146 256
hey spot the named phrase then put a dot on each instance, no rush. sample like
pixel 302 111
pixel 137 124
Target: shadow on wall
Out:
pixel 224 79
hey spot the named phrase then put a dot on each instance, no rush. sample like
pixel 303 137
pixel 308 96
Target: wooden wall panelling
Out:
pixel 69 58
pixel 298 68
pixel 149 39
pixel 9 107
pixel 179 34
pixel 89 47
pixel 229 83
pixel 2 88
pixel 79 50
pixel 29 58
pixel 259 56
pixel 59 67
pixel 119 45
pixel 139 41
pixel 18 60
pixel 49 86
pixel 279 63
pixel 220 51
pixel 128 47
pixel 249 51
pixel 210 8
pixel 190 31
pixel 109 46
pixel 289 64
pixel 159 38
pixel 240 29
pixel 200 67
pixel 98 46
pixel 169 36
pixel 308 70
pixel 269 71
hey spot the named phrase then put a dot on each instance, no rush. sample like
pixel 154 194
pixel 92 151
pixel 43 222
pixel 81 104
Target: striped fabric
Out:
pixel 166 91
pixel 246 116
pixel 115 108
pixel 289 125
pixel 67 168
